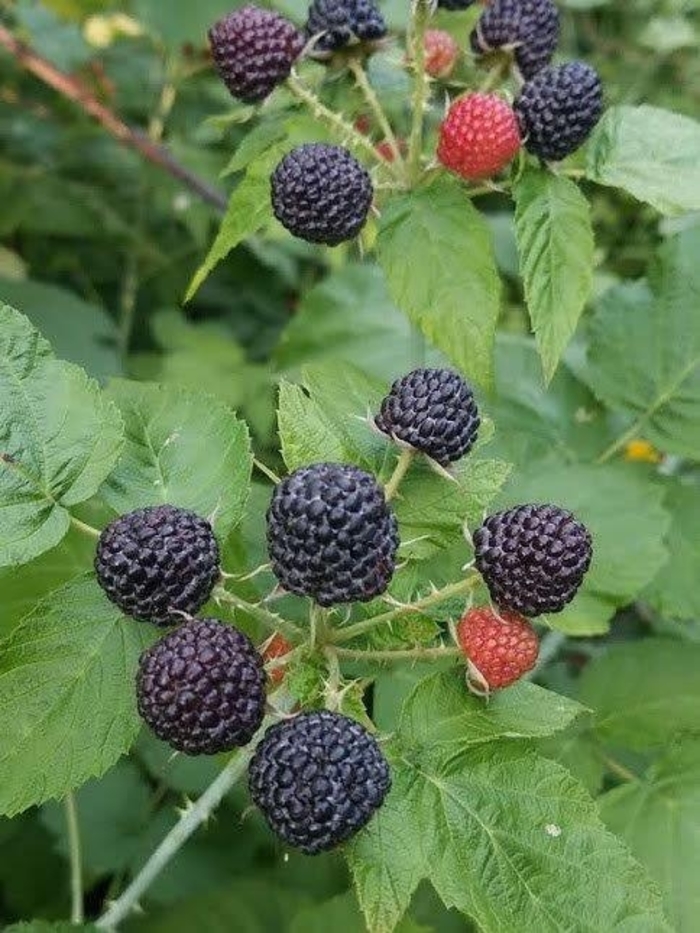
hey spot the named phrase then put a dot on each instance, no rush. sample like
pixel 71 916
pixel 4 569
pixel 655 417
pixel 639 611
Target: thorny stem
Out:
pixel 193 818
pixel 84 527
pixel 374 103
pixel 433 599
pixel 258 464
pixel 402 466
pixel 76 869
pixel 337 124
pixel 419 24
pixel 399 654
pixel 271 621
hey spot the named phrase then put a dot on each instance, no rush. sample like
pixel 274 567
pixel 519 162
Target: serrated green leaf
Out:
pixel 659 818
pixel 650 152
pixel 644 693
pixel 59 438
pixel 622 507
pixel 644 354
pixel 437 255
pixel 306 436
pixel 67 699
pixel 577 750
pixel 674 592
pixel 555 244
pixel 184 448
pixel 506 837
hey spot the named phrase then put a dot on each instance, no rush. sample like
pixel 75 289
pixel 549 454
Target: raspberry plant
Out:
pixel 352 633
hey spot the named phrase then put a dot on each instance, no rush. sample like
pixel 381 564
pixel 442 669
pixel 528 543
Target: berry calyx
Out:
pixel 500 648
pixel 339 23
pixel 478 137
pixel 533 558
pixel 441 53
pixel 318 779
pixel 321 193
pixel 158 564
pixel 558 109
pixel 202 688
pixel 331 534
pixel 432 411
pixel 254 50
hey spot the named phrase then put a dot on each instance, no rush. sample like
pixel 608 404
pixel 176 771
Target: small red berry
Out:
pixel 363 124
pixel 479 136
pixel 276 647
pixel 441 53
pixel 499 648
pixel 386 152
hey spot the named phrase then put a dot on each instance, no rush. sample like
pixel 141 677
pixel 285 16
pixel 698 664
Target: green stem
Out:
pixel 271 621
pixel 258 464
pixel 433 599
pixel 76 871
pixel 614 767
pixel 335 122
pixel 400 654
pixel 620 442
pixel 419 24
pixel 402 466
pixel 360 75
pixel 495 75
pixel 84 527
pixel 176 838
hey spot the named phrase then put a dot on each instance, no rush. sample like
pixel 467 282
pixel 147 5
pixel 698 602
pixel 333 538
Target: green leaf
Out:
pixel 644 693
pixel 555 244
pixel 59 438
pixel 651 153
pixel 506 837
pixel 674 592
pixel 659 818
pixel 112 812
pixel 577 750
pixel 80 332
pixel 342 915
pixel 47 926
pixel 306 435
pixel 436 251
pixel 185 448
pixel 621 506
pixel 67 700
pixel 644 355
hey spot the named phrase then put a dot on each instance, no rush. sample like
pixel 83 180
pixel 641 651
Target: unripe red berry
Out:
pixel 499 648
pixel 479 136
pixel 441 53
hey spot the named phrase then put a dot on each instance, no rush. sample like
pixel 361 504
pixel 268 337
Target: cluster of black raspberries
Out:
pixel 319 776
pixel 320 192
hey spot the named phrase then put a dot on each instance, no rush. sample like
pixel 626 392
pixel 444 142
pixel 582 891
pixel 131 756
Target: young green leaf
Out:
pixel 659 818
pixel 437 255
pixel 644 355
pixel 555 245
pixel 184 448
pixel 651 153
pixel 59 438
pixel 644 693
pixel 67 699
pixel 674 592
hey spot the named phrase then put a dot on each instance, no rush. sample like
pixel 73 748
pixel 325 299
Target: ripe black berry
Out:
pixel 321 193
pixel 202 688
pixel 531 27
pixel 338 23
pixel 317 779
pixel 331 534
pixel 254 50
pixel 532 558
pixel 432 410
pixel 558 109
pixel 158 563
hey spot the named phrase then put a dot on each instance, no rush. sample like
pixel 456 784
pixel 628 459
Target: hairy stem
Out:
pixel 76 869
pixel 335 122
pixel 619 770
pixel 433 599
pixel 495 74
pixel 193 818
pixel 620 442
pixel 360 75
pixel 271 475
pixel 402 466
pixel 419 24
pixel 270 620
pixel 400 654
pixel 84 527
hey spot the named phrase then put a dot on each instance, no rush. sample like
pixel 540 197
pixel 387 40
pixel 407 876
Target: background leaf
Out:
pixel 674 592
pixel 67 699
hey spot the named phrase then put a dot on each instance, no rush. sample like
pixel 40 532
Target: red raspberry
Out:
pixel 441 53
pixel 479 136
pixel 499 649
pixel 276 647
